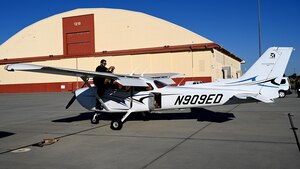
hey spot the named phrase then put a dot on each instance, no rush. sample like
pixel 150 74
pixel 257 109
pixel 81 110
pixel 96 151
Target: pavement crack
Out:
pixel 175 146
pixel 183 141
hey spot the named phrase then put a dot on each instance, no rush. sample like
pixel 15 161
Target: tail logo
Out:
pixel 272 55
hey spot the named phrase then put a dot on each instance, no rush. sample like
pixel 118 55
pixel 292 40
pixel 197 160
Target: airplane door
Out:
pixel 155 101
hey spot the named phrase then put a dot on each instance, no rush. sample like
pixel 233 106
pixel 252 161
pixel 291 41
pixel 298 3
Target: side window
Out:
pixel 150 87
pixel 283 81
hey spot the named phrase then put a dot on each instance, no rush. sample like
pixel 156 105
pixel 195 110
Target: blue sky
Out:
pixel 231 23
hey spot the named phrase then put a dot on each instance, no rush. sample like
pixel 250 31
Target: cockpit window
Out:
pixel 159 84
pixel 144 88
pixel 119 87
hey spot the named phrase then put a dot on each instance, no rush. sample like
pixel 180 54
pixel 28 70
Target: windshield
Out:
pixel 119 87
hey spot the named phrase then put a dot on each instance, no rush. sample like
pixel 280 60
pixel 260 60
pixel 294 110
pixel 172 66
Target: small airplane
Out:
pixel 149 94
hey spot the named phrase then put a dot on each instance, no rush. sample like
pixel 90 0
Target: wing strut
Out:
pixel 131 95
pixel 85 79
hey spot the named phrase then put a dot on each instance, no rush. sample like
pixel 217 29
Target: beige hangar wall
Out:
pixel 115 30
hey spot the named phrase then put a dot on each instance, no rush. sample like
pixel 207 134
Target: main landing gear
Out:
pixel 115 124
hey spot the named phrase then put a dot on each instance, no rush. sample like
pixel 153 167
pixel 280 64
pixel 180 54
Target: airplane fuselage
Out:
pixel 164 98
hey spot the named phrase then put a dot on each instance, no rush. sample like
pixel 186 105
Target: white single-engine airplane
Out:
pixel 146 94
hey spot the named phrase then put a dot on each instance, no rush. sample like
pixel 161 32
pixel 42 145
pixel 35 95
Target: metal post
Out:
pixel 259 32
pixel 294 130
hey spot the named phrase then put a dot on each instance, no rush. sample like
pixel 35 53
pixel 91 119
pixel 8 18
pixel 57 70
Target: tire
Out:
pixel 116 125
pixel 281 94
pixel 95 119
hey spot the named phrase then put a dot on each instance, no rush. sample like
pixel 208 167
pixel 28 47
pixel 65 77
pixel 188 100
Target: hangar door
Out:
pixel 78 35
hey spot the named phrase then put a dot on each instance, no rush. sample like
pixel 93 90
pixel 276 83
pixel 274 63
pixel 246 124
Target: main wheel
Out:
pixel 95 119
pixel 281 94
pixel 116 125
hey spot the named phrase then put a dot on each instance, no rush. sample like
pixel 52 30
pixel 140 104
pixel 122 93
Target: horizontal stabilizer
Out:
pixel 255 96
pixel 263 99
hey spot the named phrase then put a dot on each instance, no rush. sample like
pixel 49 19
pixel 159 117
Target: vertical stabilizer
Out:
pixel 265 75
pixel 262 80
pixel 271 64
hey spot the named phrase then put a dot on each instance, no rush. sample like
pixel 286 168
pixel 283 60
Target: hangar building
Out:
pixel 130 41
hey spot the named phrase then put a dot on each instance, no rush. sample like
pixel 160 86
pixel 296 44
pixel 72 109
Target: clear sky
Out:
pixel 229 23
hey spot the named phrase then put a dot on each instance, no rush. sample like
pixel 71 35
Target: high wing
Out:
pixel 122 79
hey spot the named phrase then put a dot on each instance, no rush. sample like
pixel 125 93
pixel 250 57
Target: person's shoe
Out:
pixel 97 108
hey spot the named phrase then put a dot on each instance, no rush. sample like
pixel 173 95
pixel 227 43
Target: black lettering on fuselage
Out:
pixel 209 99
pixel 218 98
pixel 194 99
pixel 179 100
pixel 199 99
pixel 187 99
pixel 202 99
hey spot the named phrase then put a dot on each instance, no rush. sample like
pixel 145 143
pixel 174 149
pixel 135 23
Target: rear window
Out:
pixel 283 81
pixel 159 84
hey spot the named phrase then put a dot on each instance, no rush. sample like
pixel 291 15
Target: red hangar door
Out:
pixel 79 35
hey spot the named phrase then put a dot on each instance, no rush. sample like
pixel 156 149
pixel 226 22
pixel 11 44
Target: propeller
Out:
pixel 73 98
pixel 71 101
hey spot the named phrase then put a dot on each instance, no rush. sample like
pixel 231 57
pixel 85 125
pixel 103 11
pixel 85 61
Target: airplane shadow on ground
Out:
pixel 5 134
pixel 199 114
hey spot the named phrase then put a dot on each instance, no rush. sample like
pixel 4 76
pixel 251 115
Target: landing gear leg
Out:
pixel 95 119
pixel 146 116
pixel 118 124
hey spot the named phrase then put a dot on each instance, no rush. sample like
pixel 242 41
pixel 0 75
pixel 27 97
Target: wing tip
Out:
pixel 8 68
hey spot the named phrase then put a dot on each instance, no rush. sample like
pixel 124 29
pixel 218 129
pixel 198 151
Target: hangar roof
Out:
pixel 116 31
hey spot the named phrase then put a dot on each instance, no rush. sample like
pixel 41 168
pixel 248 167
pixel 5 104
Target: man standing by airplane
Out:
pixel 100 81
pixel 298 87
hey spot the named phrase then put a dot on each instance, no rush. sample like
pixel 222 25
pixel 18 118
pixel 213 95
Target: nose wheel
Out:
pixel 95 119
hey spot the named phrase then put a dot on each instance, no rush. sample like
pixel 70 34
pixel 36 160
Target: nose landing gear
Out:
pixel 95 119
